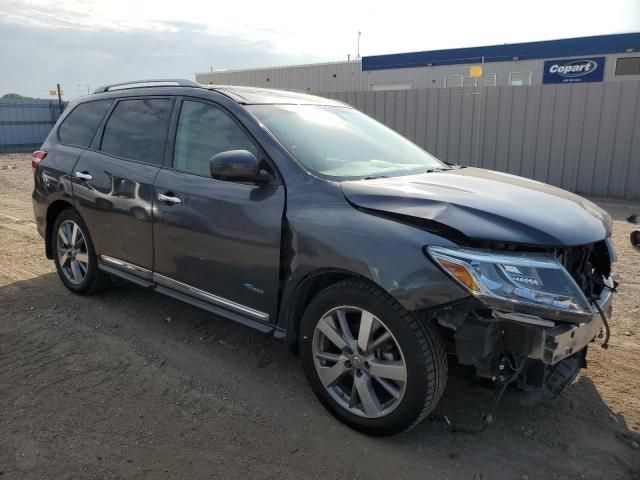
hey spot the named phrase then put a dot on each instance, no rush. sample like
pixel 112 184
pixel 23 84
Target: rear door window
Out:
pixel 137 130
pixel 204 131
pixel 80 126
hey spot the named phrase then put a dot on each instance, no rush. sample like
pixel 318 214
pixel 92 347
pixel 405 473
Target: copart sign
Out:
pixel 574 70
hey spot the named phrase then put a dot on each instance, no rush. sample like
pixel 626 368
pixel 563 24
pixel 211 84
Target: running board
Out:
pixel 198 298
pixel 261 327
pixel 141 282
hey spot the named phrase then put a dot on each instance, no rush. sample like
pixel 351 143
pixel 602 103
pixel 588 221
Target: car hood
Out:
pixel 484 205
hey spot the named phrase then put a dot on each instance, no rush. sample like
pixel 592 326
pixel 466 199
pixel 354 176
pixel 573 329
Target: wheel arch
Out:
pixel 52 213
pixel 306 289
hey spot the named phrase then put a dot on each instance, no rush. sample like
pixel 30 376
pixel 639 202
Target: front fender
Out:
pixel 329 235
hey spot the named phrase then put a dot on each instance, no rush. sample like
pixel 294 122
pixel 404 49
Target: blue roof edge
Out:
pixel 569 47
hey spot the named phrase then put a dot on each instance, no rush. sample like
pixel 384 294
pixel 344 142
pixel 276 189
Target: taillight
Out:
pixel 36 157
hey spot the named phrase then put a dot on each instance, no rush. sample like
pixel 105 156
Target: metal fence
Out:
pixel 24 124
pixel 584 138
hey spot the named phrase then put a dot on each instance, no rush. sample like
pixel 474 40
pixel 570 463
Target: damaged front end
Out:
pixel 531 313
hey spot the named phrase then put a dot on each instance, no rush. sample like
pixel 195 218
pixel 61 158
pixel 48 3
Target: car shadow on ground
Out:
pixel 572 434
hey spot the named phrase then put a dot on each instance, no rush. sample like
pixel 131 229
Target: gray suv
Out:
pixel 303 218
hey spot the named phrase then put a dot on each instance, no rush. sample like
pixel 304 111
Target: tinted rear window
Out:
pixel 81 124
pixel 137 130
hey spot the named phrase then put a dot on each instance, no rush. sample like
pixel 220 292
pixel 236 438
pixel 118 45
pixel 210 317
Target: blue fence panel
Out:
pixel 24 124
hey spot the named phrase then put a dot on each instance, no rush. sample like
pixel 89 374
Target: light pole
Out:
pixel 479 120
pixel 59 98
pixel 85 85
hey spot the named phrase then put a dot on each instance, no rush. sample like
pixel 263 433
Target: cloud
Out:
pixel 75 14
pixel 34 58
pixel 177 25
pixel 98 41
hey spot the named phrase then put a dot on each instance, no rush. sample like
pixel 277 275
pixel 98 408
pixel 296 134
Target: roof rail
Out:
pixel 162 82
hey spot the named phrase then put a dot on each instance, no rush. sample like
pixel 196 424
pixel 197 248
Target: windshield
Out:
pixel 340 142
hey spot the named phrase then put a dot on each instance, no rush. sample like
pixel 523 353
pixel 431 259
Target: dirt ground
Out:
pixel 130 384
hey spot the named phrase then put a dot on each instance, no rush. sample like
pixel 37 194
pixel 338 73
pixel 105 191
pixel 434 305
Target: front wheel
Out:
pixel 372 364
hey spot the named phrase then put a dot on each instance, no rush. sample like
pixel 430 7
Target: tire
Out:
pixel 92 279
pixel 408 395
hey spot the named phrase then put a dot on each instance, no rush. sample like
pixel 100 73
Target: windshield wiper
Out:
pixel 454 165
pixel 373 177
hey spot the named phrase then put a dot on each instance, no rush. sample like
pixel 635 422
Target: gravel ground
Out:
pixel 128 384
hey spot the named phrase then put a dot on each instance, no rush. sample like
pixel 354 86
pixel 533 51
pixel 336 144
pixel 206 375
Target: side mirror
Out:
pixel 238 166
pixel 635 239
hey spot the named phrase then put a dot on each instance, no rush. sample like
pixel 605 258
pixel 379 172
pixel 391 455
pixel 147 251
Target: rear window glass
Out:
pixel 81 124
pixel 137 130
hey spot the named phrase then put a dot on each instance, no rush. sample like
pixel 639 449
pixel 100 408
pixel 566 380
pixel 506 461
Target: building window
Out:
pixel 489 79
pixel 377 87
pixel 453 81
pixel 519 78
pixel 628 66
pixel 470 82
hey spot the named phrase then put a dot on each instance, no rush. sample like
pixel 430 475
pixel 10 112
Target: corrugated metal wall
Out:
pixel 24 124
pixel 584 138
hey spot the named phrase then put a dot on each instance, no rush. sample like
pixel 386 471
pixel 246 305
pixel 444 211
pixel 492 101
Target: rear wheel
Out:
pixel 74 255
pixel 372 364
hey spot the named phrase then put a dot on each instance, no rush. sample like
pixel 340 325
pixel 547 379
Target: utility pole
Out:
pixel 59 98
pixel 479 119
pixel 85 85
pixel 359 34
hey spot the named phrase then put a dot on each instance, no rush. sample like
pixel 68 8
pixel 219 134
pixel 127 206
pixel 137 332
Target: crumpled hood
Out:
pixel 485 205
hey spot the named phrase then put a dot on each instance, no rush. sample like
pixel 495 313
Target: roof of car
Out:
pixel 244 95
pixel 255 95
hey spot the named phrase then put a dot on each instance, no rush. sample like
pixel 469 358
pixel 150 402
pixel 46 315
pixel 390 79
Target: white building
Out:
pixel 607 58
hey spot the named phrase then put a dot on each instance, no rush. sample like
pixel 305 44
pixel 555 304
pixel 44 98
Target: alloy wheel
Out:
pixel 359 362
pixel 73 256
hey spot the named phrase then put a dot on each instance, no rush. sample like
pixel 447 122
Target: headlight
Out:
pixel 528 282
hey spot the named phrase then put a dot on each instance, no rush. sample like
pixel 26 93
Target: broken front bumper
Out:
pixel 555 341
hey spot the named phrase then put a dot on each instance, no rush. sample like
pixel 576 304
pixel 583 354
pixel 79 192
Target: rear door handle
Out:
pixel 83 176
pixel 169 198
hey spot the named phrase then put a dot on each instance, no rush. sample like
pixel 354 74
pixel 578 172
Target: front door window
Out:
pixel 204 131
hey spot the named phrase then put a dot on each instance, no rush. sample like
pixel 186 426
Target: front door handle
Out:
pixel 83 176
pixel 169 198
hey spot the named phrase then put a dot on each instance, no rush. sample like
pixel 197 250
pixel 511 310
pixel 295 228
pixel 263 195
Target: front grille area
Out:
pixel 589 265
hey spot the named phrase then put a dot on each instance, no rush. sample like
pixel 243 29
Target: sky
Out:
pixel 86 43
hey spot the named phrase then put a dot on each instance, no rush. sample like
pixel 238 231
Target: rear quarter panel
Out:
pixel 52 180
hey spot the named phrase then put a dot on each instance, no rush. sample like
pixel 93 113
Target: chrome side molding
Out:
pixel 210 297
pixel 116 262
pixel 184 288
